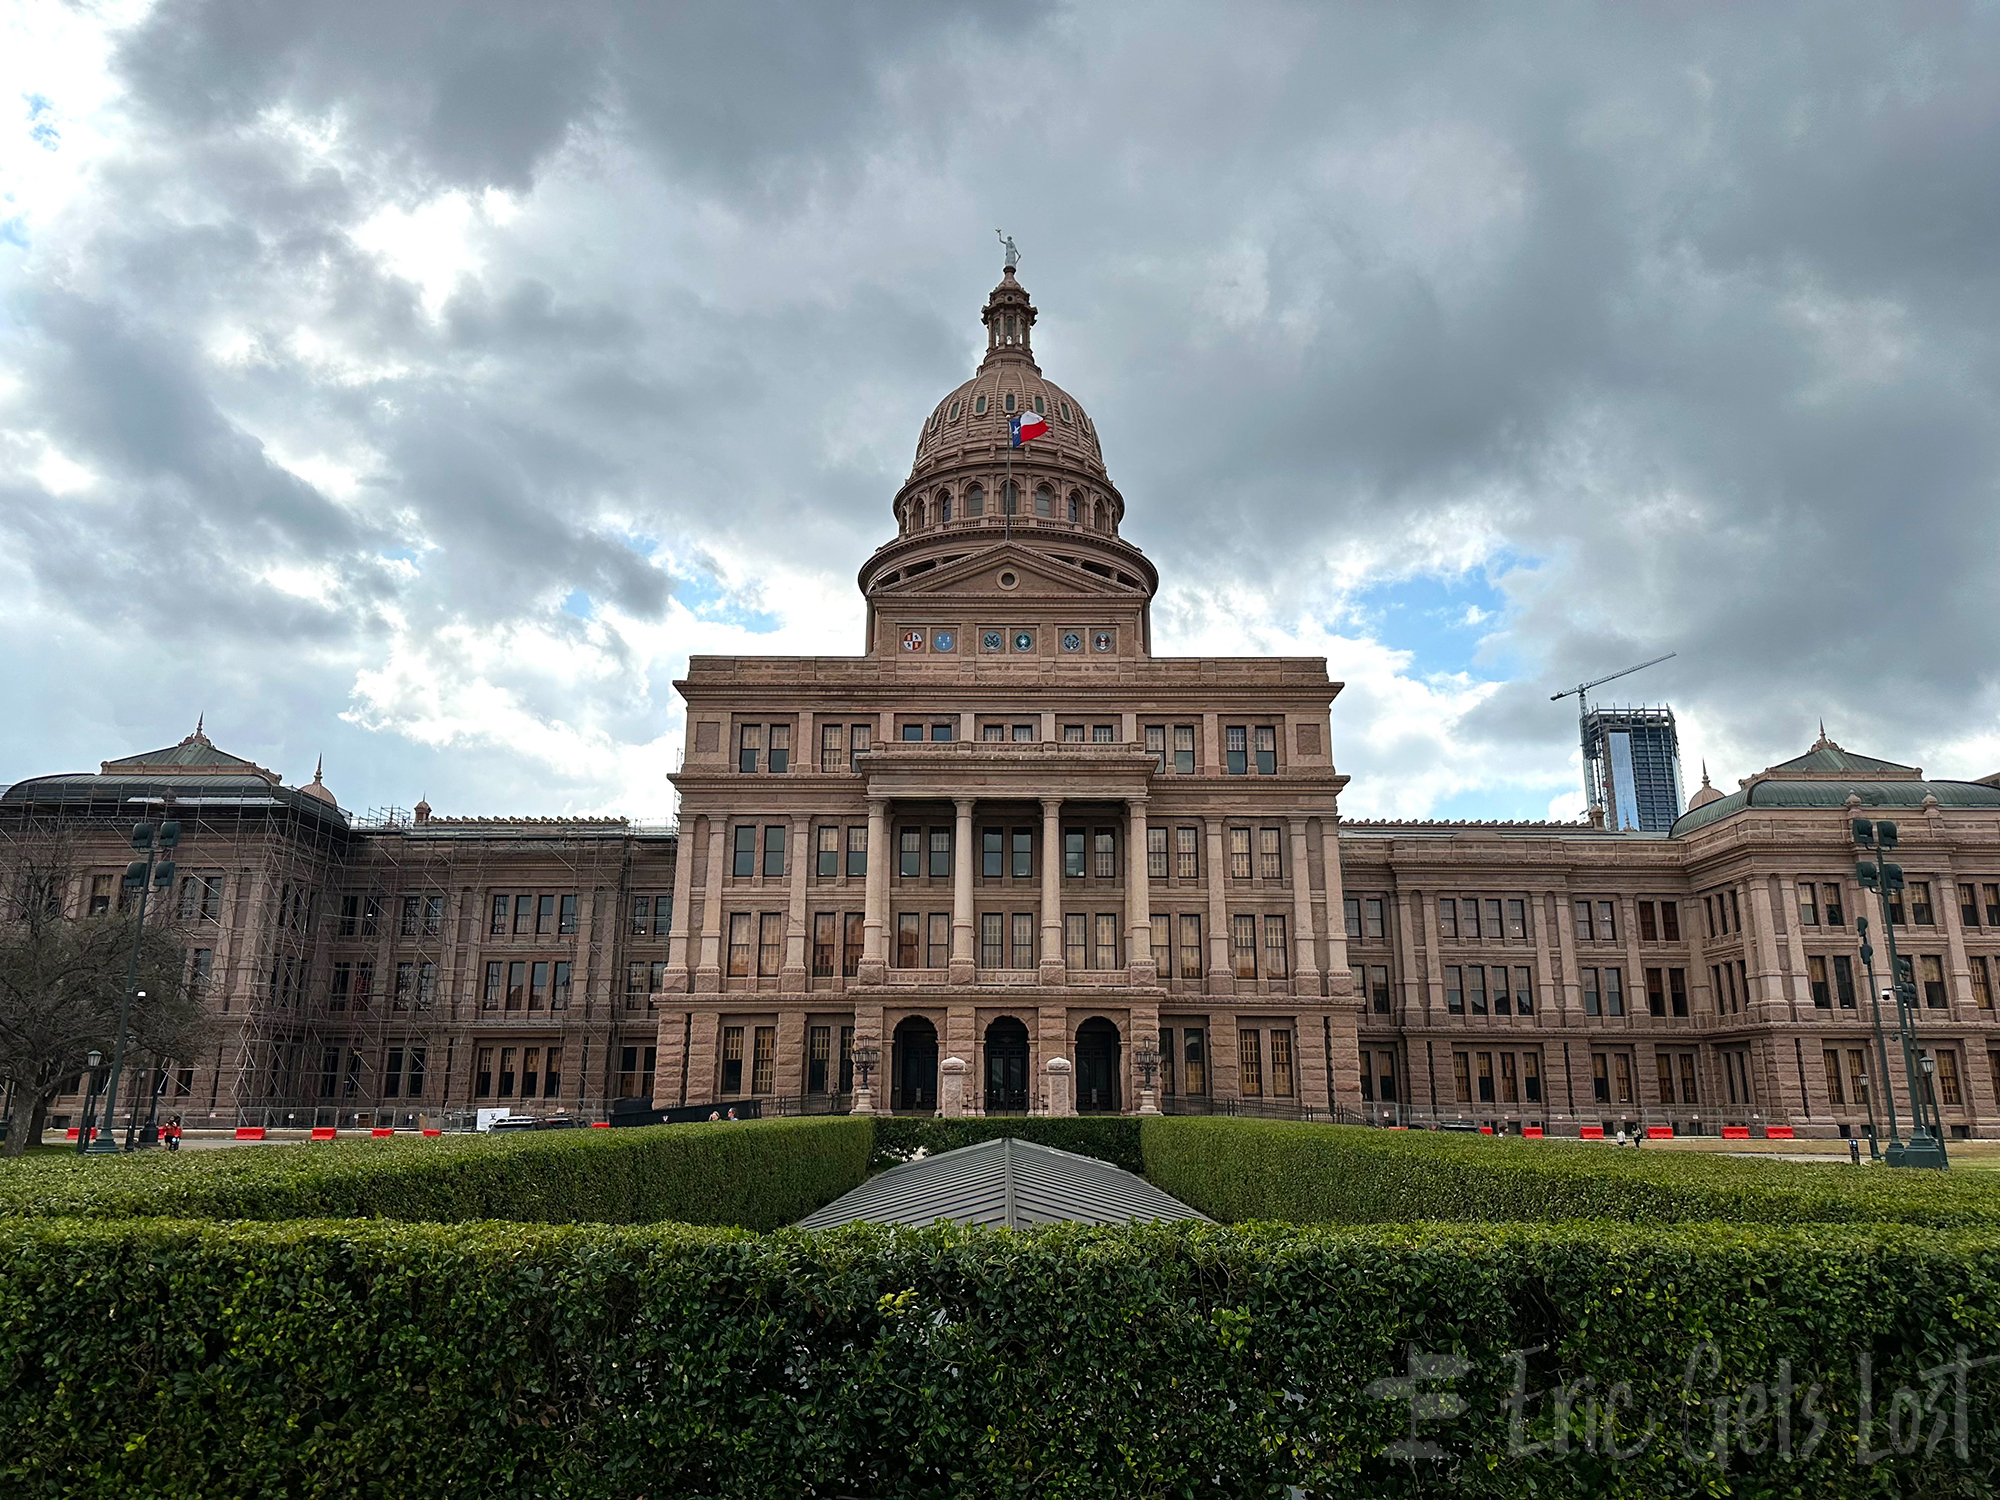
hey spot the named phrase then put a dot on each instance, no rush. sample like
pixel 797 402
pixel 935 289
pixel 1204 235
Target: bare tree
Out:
pixel 62 980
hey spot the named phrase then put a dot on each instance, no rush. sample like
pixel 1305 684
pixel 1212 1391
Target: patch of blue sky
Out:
pixel 41 124
pixel 707 599
pixel 578 604
pixel 1442 620
pixel 1500 804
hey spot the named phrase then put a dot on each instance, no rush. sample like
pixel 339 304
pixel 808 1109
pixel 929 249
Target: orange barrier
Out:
pixel 1778 1133
pixel 433 1132
pixel 324 1132
pixel 1591 1133
pixel 1531 1132
pixel 1486 1130
pixel 1736 1132
pixel 1659 1132
pixel 600 1124
pixel 249 1132
pixel 381 1131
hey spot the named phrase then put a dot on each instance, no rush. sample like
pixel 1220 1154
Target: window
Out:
pixel 1156 854
pixel 819 1052
pixel 1593 1002
pixel 1378 991
pixel 1649 929
pixel 1830 906
pixel 1517 918
pixel 1024 939
pixel 1194 1056
pixel 1600 1078
pixel 1991 893
pixel 1677 990
pixel 1843 980
pixel 1485 1077
pixel 1024 853
pixel 1187 853
pixel 1493 918
pixel 1931 971
pixel 774 849
pixel 910 853
pixel 745 863
pixel 992 939
pixel 1371 908
pixel 749 745
pixel 524 915
pixel 1822 986
pixel 1461 1076
pixel 739 944
pixel 1614 992
pixel 1982 987
pixel 826 851
pixel 1104 861
pixel 1073 853
pixel 1831 1060
pixel 913 734
pixel 1236 752
pixel 1076 940
pixel 909 940
pixel 1510 1085
pixel 1267 750
pixel 763 1060
pixel 1531 1077
pixel 507 1056
pixel 1468 912
pixel 1184 749
pixel 1156 746
pixel 1475 988
pixel 1809 913
pixel 201 898
pixel 1583 931
pixel 1104 734
pixel 1921 913
pixel 937 948
pixel 1270 861
pixel 940 853
pixel 857 851
pixel 1281 1065
pixel 566 919
pixel 1250 1060
pixel 1968 905
pixel 343 983
pixel 100 895
pixel 853 939
pixel 531 1071
pixel 832 747
pixel 635 1072
pixel 545 916
pixel 1454 989
pixel 1949 1091
pixel 1160 944
pixel 1447 917
pixel 1277 951
pixel 770 943
pixel 780 759
pixel 1104 952
pixel 1243 945
pixel 858 740
pixel 1072 734
pixel 1656 992
pixel 482 1075
pixel 941 732
pixel 1191 963
pixel 732 1059
pixel 826 933
pixel 992 852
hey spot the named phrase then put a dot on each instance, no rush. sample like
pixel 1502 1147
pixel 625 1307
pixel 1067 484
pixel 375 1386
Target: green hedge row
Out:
pixel 314 1358
pixel 1112 1138
pixel 1238 1170
pixel 752 1174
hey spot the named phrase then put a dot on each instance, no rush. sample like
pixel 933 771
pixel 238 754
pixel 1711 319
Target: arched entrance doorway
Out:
pixel 914 1065
pixel 1097 1068
pixel 1006 1067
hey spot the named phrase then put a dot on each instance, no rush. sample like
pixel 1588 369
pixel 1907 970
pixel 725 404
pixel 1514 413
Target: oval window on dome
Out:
pixel 979 406
pixel 954 413
pixel 1063 407
pixel 1040 409
pixel 936 417
pixel 1010 401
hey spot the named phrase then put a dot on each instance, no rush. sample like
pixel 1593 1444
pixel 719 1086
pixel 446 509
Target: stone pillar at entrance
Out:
pixel 875 899
pixel 962 968
pixel 1138 898
pixel 951 1087
pixel 1052 922
pixel 1056 1074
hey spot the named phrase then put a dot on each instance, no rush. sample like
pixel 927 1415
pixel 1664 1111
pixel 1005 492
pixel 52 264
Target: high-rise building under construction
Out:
pixel 1633 756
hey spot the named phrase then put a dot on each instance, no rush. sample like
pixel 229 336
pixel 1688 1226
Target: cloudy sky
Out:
pixel 420 383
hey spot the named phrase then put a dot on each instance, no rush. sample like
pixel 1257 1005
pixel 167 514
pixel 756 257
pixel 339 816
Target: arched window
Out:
pixel 1097 516
pixel 975 502
pixel 917 514
pixel 1010 401
pixel 1010 493
pixel 979 406
pixel 954 412
pixel 1040 408
pixel 1045 500
pixel 943 506
pixel 1075 506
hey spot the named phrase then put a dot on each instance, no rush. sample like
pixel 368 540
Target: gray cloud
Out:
pixel 1677 324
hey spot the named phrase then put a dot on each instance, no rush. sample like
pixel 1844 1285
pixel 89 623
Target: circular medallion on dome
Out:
pixel 943 640
pixel 1071 641
pixel 992 640
pixel 913 640
pixel 1102 641
pixel 1024 640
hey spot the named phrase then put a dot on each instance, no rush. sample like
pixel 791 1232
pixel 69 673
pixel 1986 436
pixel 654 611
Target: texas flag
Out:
pixel 1027 426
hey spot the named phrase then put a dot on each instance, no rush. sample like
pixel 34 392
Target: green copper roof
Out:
pixel 189 752
pixel 1828 759
pixel 1778 792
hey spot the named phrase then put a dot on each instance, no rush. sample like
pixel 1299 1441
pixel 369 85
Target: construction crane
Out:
pixel 1593 794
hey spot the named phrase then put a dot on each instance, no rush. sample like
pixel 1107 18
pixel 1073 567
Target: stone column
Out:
pixel 951 1087
pixel 678 966
pixel 875 899
pixel 1052 966
pixel 708 975
pixel 792 977
pixel 1221 970
pixel 1056 1071
pixel 1305 968
pixel 962 969
pixel 1336 906
pixel 1138 899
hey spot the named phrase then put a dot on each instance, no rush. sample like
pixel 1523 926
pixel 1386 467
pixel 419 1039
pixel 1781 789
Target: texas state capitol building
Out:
pixel 1007 848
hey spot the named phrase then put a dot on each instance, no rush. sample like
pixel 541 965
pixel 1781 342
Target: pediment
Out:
pixel 1036 574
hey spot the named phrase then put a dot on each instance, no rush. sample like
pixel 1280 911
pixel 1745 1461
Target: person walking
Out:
pixel 173 1133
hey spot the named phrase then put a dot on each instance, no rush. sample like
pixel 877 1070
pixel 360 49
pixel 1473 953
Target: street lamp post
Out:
pixel 866 1056
pixel 1925 1147
pixel 1147 1055
pixel 1868 1100
pixel 91 1059
pixel 144 875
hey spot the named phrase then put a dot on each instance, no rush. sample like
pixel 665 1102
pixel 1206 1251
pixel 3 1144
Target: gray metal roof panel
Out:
pixel 1005 1182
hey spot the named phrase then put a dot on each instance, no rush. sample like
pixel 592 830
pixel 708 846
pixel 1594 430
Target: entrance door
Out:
pixel 1006 1067
pixel 1097 1067
pixel 916 1065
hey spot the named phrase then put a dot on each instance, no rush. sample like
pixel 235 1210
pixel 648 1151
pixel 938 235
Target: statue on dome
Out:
pixel 1013 255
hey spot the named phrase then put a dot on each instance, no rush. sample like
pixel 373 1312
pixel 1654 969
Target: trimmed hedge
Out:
pixel 1112 1138
pixel 1238 1170
pixel 752 1174
pixel 162 1358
